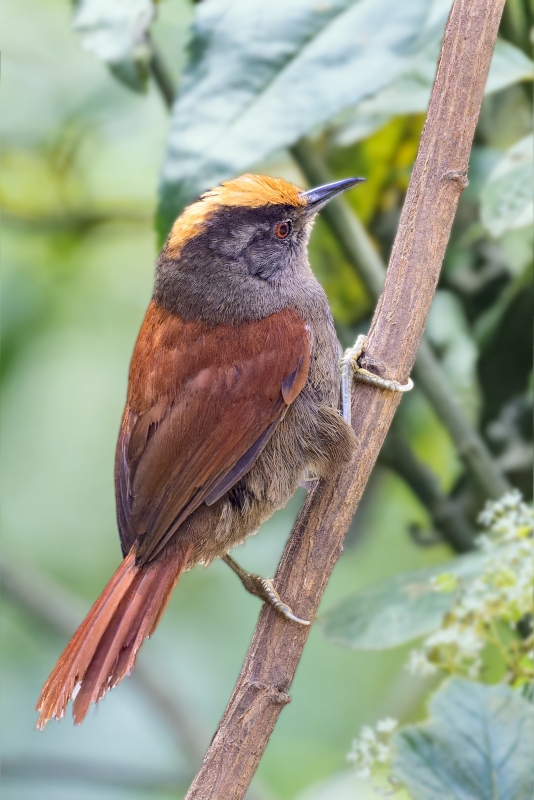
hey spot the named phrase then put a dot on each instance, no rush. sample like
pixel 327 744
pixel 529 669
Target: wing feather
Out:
pixel 202 404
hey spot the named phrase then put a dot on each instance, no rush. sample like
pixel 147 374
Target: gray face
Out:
pixel 246 263
pixel 262 242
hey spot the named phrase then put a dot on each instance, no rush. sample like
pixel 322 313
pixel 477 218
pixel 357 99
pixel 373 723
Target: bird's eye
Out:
pixel 283 229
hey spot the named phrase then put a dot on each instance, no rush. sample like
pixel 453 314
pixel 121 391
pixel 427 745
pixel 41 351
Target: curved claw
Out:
pixel 264 589
pixel 272 597
pixel 351 369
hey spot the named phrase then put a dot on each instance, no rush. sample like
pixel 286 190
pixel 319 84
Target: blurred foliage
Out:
pixel 398 610
pixel 506 199
pixel 81 159
pixel 496 729
pixel 117 34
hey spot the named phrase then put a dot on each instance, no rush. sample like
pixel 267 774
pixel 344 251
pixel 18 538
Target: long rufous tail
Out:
pixel 104 648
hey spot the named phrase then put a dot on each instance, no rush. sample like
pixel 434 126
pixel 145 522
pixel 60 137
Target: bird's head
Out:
pixel 249 233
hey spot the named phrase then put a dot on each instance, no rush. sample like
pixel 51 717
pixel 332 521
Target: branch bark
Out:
pixel 438 178
pixel 427 372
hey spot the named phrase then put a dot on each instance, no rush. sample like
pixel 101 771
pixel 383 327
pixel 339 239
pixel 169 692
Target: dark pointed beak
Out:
pixel 319 197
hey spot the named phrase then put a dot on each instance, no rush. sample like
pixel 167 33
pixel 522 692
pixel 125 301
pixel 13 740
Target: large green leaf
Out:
pixel 398 609
pixel 410 92
pixel 507 197
pixel 261 75
pixel 448 331
pixel 116 32
pixel 478 745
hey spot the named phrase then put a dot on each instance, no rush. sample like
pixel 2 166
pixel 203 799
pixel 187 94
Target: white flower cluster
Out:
pixel 371 748
pixel 498 599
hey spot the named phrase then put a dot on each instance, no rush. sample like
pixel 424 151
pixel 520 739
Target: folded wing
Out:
pixel 202 403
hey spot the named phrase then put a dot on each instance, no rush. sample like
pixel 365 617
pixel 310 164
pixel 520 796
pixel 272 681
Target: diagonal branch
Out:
pixel 427 372
pixel 364 258
pixel 438 178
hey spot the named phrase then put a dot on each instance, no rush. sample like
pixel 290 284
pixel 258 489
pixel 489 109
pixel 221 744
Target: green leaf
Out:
pixel 506 199
pixel 116 32
pixel 509 65
pixel 449 332
pixel 410 92
pixel 398 609
pixel 261 75
pixel 478 745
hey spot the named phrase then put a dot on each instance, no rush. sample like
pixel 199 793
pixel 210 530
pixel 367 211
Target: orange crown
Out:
pixel 250 191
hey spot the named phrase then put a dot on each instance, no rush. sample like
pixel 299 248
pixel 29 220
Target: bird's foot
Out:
pixel 351 369
pixel 264 589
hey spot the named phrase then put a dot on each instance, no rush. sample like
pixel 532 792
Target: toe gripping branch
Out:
pixel 351 369
pixel 264 589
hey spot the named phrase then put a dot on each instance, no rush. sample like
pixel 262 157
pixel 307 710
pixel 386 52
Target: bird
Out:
pixel 232 403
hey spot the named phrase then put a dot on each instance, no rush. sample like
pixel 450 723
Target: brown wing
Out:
pixel 202 403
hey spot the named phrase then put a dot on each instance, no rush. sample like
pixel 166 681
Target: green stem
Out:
pixel 516 25
pixel 446 516
pixel 428 375
pixel 162 76
pixel 91 772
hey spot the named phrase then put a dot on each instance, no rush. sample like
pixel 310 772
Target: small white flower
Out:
pixel 443 636
pixel 419 665
pixel 368 734
pixel 386 725
pixel 469 643
pixel 383 753
pixel 501 594
pixel 371 748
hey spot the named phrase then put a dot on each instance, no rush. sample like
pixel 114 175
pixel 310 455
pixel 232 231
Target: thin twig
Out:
pixel 68 769
pixel 162 76
pixel 73 221
pixel 438 178
pixel 427 373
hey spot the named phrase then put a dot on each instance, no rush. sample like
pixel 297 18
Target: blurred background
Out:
pixel 90 157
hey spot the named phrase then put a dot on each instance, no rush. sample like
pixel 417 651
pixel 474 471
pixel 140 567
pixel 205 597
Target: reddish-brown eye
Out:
pixel 283 229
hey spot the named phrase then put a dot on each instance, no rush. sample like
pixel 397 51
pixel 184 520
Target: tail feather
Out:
pixel 104 648
pixel 142 628
pixel 95 682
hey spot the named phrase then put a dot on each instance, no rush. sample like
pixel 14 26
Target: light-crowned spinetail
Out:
pixel 233 400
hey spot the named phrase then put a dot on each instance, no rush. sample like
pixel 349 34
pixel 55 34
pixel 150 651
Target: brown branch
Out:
pixel 438 178
pixel 427 372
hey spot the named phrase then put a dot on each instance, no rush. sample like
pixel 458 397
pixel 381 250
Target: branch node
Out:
pixel 274 694
pixel 459 177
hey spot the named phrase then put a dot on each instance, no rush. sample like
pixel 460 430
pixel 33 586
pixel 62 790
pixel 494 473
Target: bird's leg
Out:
pixel 264 589
pixel 351 369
